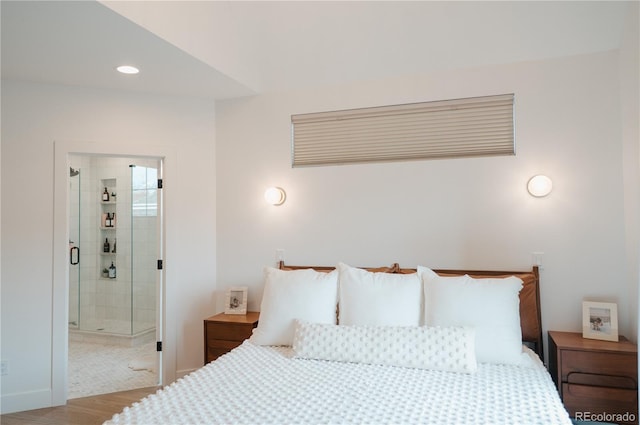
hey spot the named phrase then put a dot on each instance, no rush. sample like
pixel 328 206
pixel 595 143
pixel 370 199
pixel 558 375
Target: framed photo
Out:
pixel 600 320
pixel 236 300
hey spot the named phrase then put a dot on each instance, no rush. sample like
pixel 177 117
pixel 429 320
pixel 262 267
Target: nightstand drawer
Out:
pixel 216 348
pixel 585 398
pixel 228 332
pixel 227 345
pixel 598 363
pixel 602 380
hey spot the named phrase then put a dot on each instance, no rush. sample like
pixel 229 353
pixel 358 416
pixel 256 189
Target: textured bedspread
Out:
pixel 264 385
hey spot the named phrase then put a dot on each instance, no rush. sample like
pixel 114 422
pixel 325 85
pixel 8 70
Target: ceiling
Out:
pixel 224 49
pixel 80 43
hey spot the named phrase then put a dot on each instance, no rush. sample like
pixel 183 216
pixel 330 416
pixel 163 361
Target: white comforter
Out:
pixel 265 385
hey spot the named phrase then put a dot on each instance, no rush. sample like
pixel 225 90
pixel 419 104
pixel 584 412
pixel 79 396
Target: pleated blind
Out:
pixel 476 126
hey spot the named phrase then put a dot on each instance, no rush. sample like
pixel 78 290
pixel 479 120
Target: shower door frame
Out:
pixel 166 316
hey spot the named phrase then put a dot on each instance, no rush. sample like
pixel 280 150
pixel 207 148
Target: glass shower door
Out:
pixel 145 225
pixel 74 248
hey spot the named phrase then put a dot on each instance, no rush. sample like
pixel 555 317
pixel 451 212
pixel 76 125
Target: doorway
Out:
pixel 115 241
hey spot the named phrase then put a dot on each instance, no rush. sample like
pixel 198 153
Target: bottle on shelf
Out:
pixel 105 195
pixel 107 222
pixel 112 271
pixel 106 247
pixel 114 246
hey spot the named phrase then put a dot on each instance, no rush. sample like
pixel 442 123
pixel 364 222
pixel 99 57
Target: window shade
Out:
pixel 476 126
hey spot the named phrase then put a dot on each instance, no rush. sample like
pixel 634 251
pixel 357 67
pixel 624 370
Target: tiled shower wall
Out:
pixel 127 304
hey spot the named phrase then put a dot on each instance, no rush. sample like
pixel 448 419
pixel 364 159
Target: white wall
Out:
pixel 457 213
pixel 33 117
pixel 630 110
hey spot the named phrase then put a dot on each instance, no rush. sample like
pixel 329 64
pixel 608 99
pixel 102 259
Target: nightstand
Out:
pixel 224 332
pixel 595 377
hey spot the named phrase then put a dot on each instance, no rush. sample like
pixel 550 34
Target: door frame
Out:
pixel 60 290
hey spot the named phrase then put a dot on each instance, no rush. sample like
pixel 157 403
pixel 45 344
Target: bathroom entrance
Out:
pixel 115 222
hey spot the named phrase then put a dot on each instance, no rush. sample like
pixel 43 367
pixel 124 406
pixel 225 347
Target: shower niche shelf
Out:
pixel 108 234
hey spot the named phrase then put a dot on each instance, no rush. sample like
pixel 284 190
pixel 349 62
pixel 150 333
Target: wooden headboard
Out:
pixel 530 318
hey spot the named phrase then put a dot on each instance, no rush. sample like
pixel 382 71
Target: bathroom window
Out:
pixel 144 191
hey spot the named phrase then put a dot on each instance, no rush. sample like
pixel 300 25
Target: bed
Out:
pixel 392 345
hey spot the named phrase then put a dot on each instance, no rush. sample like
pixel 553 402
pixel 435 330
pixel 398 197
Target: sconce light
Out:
pixel 275 196
pixel 539 186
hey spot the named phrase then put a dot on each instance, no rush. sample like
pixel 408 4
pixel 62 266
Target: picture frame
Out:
pixel 236 300
pixel 600 320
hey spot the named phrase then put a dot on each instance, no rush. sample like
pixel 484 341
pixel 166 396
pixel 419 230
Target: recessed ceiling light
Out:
pixel 128 69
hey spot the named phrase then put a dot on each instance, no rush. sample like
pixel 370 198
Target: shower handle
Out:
pixel 77 252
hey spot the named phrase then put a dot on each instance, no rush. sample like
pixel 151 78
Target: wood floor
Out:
pixel 79 411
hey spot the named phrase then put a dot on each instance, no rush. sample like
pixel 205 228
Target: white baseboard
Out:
pixel 19 402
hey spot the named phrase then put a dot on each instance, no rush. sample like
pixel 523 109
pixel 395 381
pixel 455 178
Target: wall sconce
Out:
pixel 539 186
pixel 275 196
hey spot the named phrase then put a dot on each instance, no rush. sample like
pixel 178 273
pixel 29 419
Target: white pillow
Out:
pixel 491 306
pixel 378 299
pixel 449 349
pixel 297 294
